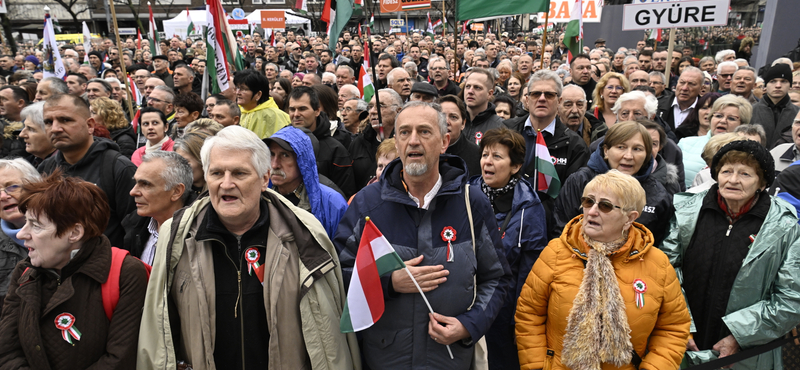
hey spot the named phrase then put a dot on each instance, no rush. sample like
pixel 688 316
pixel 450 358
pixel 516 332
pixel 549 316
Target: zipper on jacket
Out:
pixel 729 230
pixel 237 308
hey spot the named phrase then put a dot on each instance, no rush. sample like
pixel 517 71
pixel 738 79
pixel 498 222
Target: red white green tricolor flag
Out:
pixel 547 180
pixel 365 86
pixel 155 39
pixel 573 35
pixel 375 257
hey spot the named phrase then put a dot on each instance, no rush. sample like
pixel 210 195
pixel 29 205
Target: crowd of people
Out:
pixel 606 211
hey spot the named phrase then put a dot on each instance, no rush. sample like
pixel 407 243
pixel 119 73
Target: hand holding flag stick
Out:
pixel 376 257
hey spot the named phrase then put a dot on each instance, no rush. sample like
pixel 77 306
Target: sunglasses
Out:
pixel 603 205
pixel 549 95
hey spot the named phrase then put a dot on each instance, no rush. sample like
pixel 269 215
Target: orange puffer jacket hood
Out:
pixel 659 329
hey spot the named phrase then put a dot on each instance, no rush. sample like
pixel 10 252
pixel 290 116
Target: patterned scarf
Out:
pixel 493 193
pixel 597 326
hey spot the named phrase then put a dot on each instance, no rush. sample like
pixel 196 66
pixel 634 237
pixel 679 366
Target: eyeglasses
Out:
pixel 549 95
pixel 11 188
pixel 603 205
pixel 720 116
pixel 726 75
pixel 612 88
pixel 155 100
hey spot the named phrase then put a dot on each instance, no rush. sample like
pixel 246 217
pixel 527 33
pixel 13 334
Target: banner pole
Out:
pixel 122 61
pixel 544 35
pixel 668 70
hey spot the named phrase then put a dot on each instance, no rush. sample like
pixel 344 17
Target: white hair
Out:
pixel 238 138
pixel 740 60
pixel 35 113
pixel 576 88
pixel 727 64
pixel 328 74
pixel 650 102
pixel 176 170
pixel 28 172
pixel 547 75
pixel 350 89
pixel 390 75
pixel 782 60
pixel 722 54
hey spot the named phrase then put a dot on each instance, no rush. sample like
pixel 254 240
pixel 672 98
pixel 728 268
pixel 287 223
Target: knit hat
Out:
pixel 779 70
pixel 754 149
pixel 97 54
pixel 33 59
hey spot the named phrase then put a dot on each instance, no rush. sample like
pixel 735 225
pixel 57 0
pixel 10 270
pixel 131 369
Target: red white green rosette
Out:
pixel 252 256
pixel 449 235
pixel 66 323
pixel 639 287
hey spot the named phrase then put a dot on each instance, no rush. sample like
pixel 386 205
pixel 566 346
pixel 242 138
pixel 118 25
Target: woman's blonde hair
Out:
pixel 730 100
pixel 626 189
pixel 112 113
pixel 598 91
pixel 716 143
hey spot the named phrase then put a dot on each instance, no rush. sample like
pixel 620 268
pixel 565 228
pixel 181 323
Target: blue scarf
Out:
pixel 9 230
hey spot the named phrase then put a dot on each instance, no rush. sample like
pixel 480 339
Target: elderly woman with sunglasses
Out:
pixel 602 295
pixel 626 147
pixel 736 251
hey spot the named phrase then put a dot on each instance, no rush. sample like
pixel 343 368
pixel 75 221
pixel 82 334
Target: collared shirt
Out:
pixel 680 115
pixel 551 128
pixel 150 248
pixel 428 197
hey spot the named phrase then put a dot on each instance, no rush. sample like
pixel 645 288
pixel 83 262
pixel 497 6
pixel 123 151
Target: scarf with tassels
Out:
pixel 597 326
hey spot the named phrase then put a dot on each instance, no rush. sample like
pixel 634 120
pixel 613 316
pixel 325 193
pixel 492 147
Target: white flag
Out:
pixel 52 65
pixel 87 42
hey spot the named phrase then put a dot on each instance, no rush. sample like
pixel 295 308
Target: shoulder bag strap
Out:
pixel 472 231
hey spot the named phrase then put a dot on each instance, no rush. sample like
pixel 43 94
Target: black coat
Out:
pixel 658 207
pixel 362 151
pixel 126 140
pixel 469 152
pixel 484 121
pixel 333 159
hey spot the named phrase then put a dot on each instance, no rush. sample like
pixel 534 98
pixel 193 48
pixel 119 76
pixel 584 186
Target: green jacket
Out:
pixel 765 299
pixel 314 281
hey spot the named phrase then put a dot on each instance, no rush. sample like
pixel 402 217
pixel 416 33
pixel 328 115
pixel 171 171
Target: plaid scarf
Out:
pixel 493 193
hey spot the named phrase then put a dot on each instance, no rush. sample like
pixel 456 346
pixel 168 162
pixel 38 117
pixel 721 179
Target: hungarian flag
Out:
pixel 437 24
pixel 364 82
pixel 547 180
pixel 375 258
pixel 655 35
pixel 301 6
pixel 138 38
pixel 190 29
pixel 465 26
pixel 371 20
pixel 573 36
pixel 155 39
pixel 430 26
pixel 336 13
pixel 87 43
pixel 216 58
pixel 52 65
pixel 136 95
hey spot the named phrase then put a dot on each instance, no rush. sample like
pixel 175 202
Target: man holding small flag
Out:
pixel 553 151
pixel 447 236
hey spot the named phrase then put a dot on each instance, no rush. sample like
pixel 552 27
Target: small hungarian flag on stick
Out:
pixel 375 257
pixel 547 180
pixel 364 304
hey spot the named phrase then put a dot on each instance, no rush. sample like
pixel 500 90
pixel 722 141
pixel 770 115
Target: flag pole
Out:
pixel 544 35
pixel 375 83
pixel 204 88
pixel 444 18
pixel 426 302
pixel 670 48
pixel 122 61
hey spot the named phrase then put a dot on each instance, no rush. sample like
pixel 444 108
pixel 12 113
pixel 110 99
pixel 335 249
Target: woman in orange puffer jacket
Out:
pixel 602 296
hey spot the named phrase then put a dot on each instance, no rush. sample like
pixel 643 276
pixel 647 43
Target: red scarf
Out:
pixel 733 217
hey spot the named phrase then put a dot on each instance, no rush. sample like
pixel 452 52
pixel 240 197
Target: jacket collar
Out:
pixel 639 242
pixel 453 170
